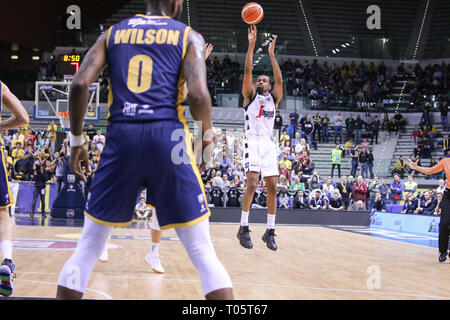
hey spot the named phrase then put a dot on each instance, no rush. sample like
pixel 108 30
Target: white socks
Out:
pixel 270 221
pixel 244 219
pixel 6 248
pixel 155 247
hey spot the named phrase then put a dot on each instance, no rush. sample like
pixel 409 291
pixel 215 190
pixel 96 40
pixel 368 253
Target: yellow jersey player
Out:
pixel 19 118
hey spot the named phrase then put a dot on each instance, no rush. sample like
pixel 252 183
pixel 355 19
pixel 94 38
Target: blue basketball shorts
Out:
pixel 6 197
pixel 153 155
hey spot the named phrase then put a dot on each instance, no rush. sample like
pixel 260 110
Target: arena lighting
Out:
pixel 348 44
pixel 338 50
pixel 343 45
pixel 35 58
pixel 421 28
pixel 188 6
pixel 14 57
pixel 334 52
pixel 307 26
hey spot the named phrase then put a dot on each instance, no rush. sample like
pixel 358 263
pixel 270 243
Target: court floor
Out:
pixel 312 262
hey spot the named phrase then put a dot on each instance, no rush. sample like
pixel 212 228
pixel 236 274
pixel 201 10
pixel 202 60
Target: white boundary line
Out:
pixel 107 296
pixel 252 284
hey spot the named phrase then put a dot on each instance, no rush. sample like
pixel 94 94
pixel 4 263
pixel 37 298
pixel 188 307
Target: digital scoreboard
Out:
pixel 68 64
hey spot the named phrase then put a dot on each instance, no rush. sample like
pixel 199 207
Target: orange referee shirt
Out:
pixel 443 165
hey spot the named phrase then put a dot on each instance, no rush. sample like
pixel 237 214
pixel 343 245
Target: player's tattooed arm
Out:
pixel 20 116
pixel 277 91
pixel 247 85
pixel 91 68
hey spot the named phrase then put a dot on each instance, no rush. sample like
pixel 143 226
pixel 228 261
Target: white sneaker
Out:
pixel 104 256
pixel 153 260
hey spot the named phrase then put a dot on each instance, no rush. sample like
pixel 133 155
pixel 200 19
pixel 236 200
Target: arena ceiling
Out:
pixel 34 24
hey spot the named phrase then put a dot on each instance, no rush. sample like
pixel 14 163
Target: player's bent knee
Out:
pixel 76 272
pixel 197 241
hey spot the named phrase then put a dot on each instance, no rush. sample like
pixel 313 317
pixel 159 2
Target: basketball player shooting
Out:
pixel 260 104
pixel 148 66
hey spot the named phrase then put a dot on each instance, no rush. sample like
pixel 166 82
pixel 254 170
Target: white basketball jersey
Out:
pixel 260 116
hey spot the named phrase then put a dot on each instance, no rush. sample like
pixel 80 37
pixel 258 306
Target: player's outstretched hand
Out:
pixel 208 49
pixel 272 46
pixel 252 34
pixel 411 164
pixel 79 158
pixel 207 155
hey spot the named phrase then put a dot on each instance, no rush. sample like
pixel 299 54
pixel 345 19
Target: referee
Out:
pixel 444 225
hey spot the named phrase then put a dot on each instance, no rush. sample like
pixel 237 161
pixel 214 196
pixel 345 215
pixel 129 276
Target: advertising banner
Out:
pixel 417 224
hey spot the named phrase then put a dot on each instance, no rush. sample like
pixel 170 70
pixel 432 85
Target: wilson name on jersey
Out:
pixel 260 116
pixel 145 55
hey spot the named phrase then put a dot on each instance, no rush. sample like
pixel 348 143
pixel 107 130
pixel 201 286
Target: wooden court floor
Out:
pixel 311 263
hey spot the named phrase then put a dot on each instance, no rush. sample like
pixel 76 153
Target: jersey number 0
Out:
pixel 140 71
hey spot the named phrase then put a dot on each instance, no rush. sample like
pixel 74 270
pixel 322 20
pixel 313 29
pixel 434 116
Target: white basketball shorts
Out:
pixel 260 156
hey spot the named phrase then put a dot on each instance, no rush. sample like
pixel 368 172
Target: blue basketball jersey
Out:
pixel 1 110
pixel 145 55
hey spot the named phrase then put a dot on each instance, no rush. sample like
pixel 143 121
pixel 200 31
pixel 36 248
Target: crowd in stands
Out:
pixel 432 80
pixel 28 151
pixel 350 85
pixel 301 186
pixel 426 139
pixel 316 129
pixel 223 75
pixel 357 86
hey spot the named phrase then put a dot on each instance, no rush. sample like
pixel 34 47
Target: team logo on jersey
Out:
pixel 142 22
pixel 267 114
pixel 129 109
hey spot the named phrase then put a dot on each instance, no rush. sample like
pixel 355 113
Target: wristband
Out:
pixel 76 141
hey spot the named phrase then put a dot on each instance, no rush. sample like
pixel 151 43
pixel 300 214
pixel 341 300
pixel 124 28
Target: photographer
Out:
pixel 40 180
pixel 59 163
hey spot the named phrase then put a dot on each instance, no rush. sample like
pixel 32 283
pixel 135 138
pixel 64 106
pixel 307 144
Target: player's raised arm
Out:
pixel 194 71
pixel 277 91
pixel 20 115
pixel 247 85
pixel 91 68
pixel 208 49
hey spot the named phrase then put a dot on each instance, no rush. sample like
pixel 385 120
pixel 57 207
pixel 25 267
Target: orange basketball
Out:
pixel 252 13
